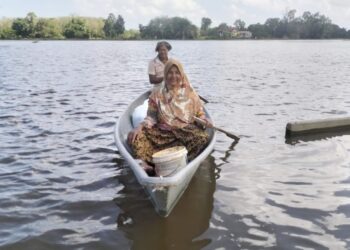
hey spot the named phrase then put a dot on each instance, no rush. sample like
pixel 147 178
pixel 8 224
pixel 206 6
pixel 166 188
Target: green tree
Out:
pixel 119 25
pixel 6 31
pixel 333 30
pixel 131 35
pixel 289 16
pixel 109 26
pixel 314 25
pixel 224 31
pixel 25 27
pixel 114 26
pixel 169 28
pixel 206 22
pixel 291 25
pixel 32 20
pixel 272 26
pixel 155 28
pixel 239 24
pixel 95 27
pixel 258 30
pixel 181 29
pixel 48 28
pixel 76 28
pixel 21 28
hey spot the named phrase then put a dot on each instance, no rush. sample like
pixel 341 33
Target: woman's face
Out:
pixel 162 52
pixel 173 77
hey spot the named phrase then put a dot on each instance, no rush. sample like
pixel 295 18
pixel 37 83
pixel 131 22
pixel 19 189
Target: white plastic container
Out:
pixel 170 160
pixel 139 114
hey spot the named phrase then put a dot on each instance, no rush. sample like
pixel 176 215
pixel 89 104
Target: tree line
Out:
pixel 306 26
pixel 33 27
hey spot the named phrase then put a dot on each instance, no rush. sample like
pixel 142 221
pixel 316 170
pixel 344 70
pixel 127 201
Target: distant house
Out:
pixel 245 34
pixel 240 34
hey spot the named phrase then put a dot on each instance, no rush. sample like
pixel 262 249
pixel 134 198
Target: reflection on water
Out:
pixel 64 185
pixel 189 219
pixel 187 222
pixel 316 136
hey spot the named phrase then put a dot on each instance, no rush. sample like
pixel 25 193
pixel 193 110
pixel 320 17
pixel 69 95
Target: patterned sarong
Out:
pixel 152 140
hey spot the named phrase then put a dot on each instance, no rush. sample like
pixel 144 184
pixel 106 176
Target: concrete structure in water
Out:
pixel 317 126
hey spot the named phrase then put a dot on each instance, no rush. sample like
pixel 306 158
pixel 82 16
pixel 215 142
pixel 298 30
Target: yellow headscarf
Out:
pixel 172 62
pixel 176 108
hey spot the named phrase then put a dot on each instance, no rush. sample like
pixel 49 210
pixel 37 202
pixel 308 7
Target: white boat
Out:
pixel 164 192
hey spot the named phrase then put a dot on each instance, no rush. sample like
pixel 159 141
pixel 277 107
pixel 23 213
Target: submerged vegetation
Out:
pixel 306 26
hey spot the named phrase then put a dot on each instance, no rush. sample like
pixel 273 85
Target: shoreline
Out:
pixel 143 40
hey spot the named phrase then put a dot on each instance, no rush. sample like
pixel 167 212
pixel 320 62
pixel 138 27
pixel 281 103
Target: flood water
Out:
pixel 65 186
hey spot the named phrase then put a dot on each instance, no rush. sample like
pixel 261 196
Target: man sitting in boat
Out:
pixel 170 118
pixel 156 76
pixel 156 65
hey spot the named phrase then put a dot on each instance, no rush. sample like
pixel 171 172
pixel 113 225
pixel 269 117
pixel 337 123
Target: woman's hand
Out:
pixel 205 122
pixel 134 134
pixel 208 123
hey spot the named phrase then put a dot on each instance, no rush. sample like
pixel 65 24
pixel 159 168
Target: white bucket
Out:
pixel 170 160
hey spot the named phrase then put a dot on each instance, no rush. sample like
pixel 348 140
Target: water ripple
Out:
pixel 65 186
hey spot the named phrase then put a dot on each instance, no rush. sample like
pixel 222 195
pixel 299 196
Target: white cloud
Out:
pixel 339 3
pixel 137 12
pixel 141 12
pixel 253 11
pixel 264 4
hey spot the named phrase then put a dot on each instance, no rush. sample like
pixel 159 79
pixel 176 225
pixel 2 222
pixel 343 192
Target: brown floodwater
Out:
pixel 65 186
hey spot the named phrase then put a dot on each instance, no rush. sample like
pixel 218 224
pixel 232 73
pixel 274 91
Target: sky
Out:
pixel 137 12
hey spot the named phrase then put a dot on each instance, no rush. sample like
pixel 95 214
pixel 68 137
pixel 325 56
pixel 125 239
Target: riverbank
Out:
pixel 236 39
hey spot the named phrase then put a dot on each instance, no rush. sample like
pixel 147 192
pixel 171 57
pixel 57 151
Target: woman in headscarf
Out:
pixel 156 65
pixel 169 121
